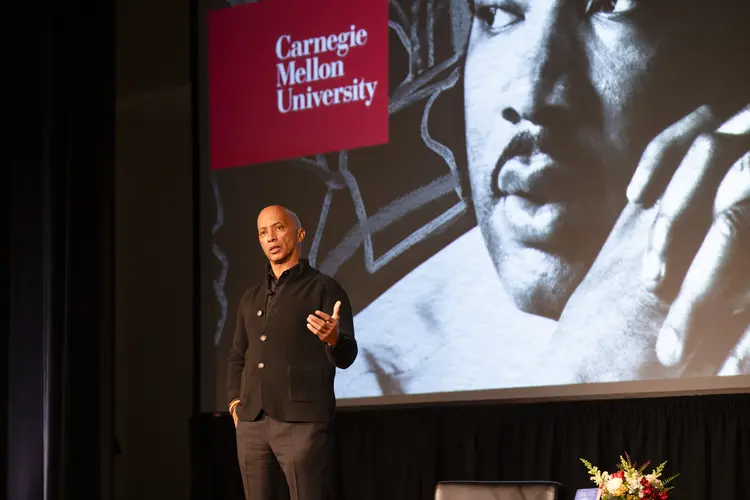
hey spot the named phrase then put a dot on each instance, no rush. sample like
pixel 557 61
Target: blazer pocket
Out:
pixel 306 384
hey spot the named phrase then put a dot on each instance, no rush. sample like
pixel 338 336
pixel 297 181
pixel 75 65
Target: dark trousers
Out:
pixel 302 449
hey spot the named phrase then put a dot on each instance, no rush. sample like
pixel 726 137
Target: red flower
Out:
pixel 619 474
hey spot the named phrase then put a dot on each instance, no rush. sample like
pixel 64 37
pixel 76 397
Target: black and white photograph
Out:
pixel 564 200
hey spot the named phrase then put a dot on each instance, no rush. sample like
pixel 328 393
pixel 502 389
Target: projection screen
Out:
pixel 523 199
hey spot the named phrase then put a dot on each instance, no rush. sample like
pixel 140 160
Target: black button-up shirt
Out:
pixel 276 364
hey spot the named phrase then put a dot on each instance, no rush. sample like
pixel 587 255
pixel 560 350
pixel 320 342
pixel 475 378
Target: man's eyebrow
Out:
pixel 271 224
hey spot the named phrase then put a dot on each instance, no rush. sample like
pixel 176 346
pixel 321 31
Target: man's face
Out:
pixel 279 235
pixel 561 97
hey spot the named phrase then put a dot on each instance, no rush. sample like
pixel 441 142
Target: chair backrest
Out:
pixel 499 490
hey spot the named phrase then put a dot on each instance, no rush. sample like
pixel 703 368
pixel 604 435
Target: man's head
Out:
pixel 561 97
pixel 280 234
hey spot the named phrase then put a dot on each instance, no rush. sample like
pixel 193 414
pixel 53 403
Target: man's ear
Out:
pixel 300 235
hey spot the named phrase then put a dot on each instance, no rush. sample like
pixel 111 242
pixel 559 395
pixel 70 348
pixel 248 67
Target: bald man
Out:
pixel 293 330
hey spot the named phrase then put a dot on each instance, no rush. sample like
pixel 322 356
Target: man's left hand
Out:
pixel 324 326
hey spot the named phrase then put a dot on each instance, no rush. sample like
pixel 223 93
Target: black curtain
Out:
pixel 398 454
pixel 59 349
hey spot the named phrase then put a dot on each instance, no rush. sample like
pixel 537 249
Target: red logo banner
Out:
pixel 291 78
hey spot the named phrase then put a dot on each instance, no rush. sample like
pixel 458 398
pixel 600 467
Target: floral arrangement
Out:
pixel 629 482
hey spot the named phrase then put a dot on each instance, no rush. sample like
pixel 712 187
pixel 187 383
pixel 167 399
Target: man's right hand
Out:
pixel 234 416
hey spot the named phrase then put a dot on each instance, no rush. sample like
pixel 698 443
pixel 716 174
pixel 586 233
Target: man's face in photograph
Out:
pixel 561 97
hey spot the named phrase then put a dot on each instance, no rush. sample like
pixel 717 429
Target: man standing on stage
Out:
pixel 292 332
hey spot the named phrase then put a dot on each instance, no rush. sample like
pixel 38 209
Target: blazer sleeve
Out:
pixel 237 353
pixel 343 354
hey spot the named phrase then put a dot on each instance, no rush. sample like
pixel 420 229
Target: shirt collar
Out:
pixel 293 271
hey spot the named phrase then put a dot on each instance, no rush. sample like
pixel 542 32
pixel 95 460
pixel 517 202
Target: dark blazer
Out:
pixel 276 364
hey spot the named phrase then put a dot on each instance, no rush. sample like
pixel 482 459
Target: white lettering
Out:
pixel 370 86
pixel 340 43
pixel 279 52
pixel 361 37
pixel 312 71
pixel 359 90
pixel 319 59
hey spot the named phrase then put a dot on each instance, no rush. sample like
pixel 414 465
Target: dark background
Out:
pixel 143 182
pixel 154 297
pixel 402 453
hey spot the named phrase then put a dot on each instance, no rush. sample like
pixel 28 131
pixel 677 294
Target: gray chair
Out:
pixel 499 490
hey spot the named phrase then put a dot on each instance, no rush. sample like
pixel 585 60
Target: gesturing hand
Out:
pixel 324 326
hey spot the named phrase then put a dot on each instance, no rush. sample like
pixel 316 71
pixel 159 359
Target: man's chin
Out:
pixel 537 282
pixel 278 258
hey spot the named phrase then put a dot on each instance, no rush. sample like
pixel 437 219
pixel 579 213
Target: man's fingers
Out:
pixel 735 188
pixel 315 322
pixel 712 309
pixel 322 315
pixel 314 329
pixel 714 296
pixel 738 362
pixel 323 334
pixel 685 210
pixel 739 124
pixel 321 318
pixel 665 152
pixel 233 411
pixel 318 326
pixel 321 324
pixel 336 308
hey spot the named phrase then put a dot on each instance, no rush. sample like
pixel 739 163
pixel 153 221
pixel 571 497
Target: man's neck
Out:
pixel 278 269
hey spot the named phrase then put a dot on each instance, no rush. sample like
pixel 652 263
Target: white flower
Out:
pixel 634 484
pixel 653 479
pixel 614 484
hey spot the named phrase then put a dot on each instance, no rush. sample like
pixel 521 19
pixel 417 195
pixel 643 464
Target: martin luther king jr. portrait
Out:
pixel 606 162
pixel 589 166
